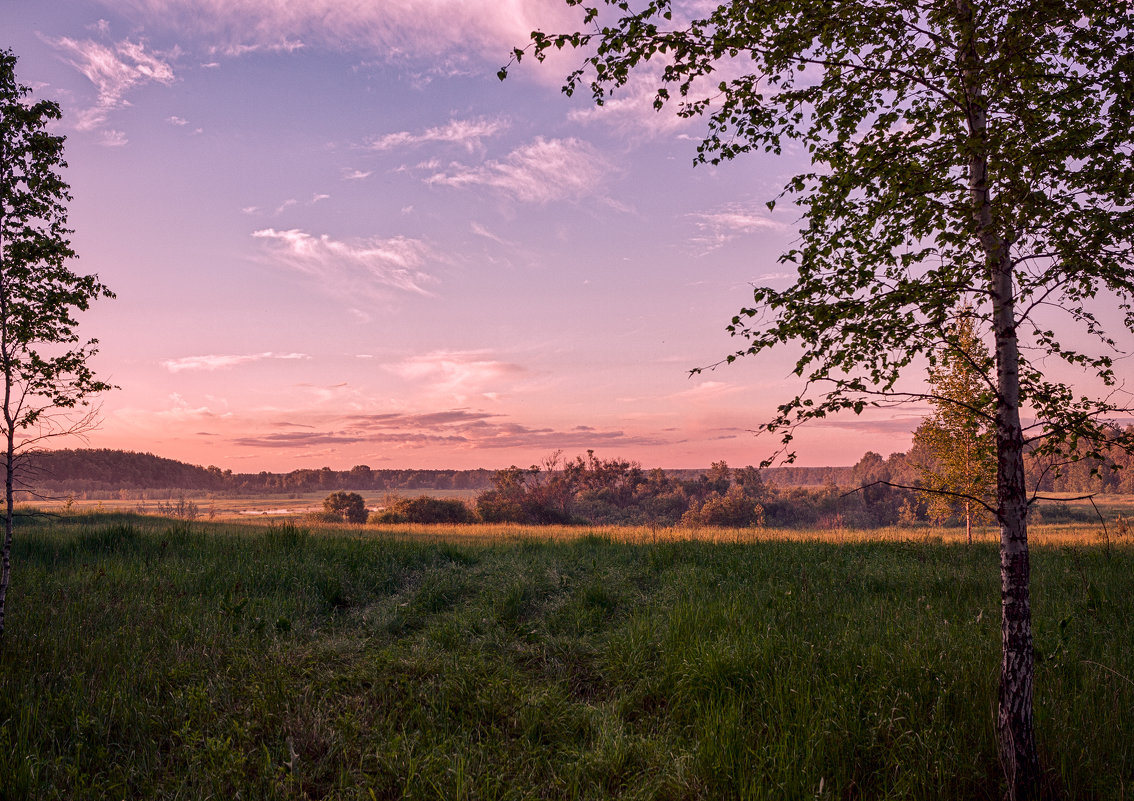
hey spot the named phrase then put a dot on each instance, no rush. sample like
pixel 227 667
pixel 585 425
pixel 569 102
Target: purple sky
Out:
pixel 338 239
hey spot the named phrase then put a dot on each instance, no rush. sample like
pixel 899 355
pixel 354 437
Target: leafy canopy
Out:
pixel 954 449
pixel 43 361
pixel 346 506
pixel 894 101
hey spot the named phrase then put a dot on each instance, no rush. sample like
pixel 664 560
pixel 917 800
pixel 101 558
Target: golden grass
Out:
pixel 1054 535
pixel 269 510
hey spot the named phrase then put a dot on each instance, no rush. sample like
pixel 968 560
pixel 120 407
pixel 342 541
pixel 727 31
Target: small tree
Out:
pixel 347 506
pixel 45 369
pixel 955 448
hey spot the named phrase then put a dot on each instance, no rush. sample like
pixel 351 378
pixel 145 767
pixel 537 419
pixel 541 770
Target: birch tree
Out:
pixel 964 154
pixel 46 377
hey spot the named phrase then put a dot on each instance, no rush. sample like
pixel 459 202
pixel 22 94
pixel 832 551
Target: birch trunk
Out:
pixel 1015 724
pixel 9 428
pixel 6 560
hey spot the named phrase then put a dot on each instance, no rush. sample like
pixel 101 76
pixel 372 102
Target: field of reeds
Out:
pixel 154 658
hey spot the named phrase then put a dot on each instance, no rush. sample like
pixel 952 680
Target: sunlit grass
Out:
pixel 486 533
pixel 152 659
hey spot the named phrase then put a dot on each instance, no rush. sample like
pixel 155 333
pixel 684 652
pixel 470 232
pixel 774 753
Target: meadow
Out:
pixel 231 507
pixel 155 658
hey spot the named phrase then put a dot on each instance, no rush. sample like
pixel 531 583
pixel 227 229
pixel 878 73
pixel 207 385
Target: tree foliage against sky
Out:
pixel 43 360
pixel 955 448
pixel 966 154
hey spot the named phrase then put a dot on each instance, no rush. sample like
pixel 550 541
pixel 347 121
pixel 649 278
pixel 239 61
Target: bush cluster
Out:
pixel 425 510
pixel 589 490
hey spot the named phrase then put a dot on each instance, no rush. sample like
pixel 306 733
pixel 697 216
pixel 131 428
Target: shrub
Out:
pixel 182 509
pixel 425 509
pixel 345 506
pixel 734 509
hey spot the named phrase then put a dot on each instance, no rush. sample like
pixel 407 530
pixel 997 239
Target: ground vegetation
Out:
pixel 162 659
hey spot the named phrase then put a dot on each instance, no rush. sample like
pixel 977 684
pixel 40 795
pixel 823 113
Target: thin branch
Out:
pixel 926 490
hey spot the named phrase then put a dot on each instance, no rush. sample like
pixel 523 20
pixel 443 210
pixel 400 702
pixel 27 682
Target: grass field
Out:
pixel 283 506
pixel 148 658
pixel 213 506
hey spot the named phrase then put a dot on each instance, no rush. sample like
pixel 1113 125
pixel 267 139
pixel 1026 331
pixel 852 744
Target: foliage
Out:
pixel 349 507
pixel 893 101
pixel 424 509
pixel 538 494
pixel 969 158
pixel 955 448
pixel 43 361
pixel 733 509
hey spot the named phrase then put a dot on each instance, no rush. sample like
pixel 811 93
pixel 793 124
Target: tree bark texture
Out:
pixel 1015 723
pixel 6 559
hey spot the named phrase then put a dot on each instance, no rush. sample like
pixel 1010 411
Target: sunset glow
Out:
pixel 337 238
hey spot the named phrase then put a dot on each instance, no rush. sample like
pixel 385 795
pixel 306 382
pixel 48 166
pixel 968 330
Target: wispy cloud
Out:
pixel 456 428
pixel 433 421
pixel 458 374
pixel 467 133
pixel 631 110
pixel 539 172
pixel 113 138
pixel 218 361
pixel 719 227
pixel 392 29
pixel 480 230
pixel 356 175
pixel 897 424
pixel 707 390
pixel 362 265
pixel 298 440
pixel 178 410
pixel 285 45
pixel 114 70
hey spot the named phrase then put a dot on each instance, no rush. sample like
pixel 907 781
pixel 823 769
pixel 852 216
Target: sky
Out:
pixel 336 238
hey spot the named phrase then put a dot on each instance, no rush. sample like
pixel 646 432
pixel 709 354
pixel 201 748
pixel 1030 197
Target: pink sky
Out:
pixel 338 239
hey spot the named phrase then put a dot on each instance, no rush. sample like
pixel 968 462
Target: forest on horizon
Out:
pixel 87 470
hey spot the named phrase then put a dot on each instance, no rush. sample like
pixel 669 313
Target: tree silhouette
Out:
pixel 46 378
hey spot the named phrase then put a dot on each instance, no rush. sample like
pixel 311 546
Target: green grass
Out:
pixel 146 659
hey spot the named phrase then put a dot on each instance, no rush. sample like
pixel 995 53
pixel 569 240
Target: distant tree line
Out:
pixel 104 470
pixel 109 471
pixel 877 491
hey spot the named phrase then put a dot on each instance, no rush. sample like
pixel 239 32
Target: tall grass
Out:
pixel 153 660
